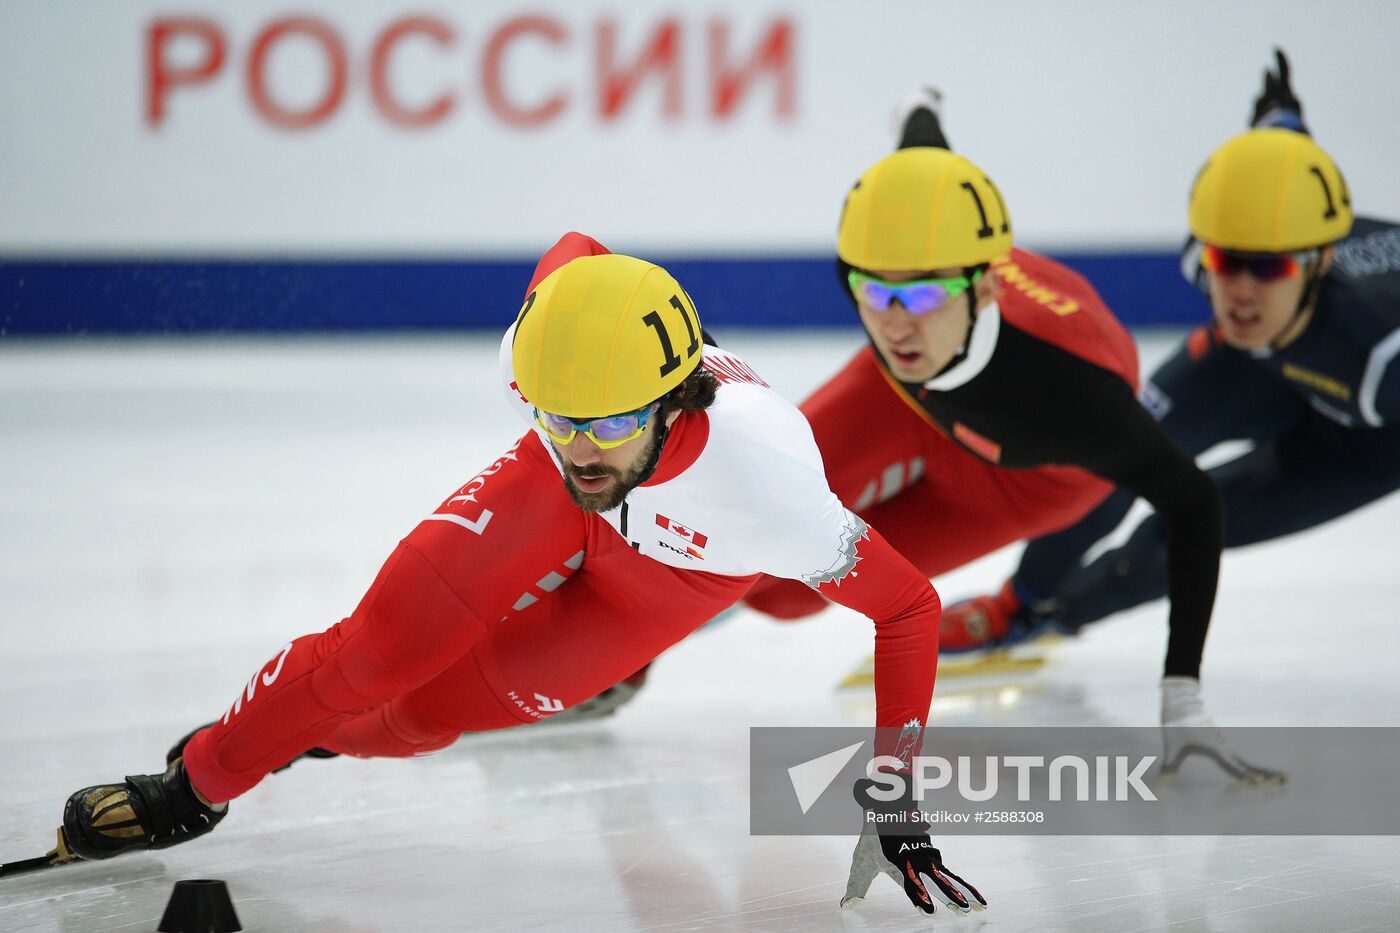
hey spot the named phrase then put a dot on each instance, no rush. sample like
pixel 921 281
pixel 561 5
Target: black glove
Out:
pixel 901 849
pixel 1277 105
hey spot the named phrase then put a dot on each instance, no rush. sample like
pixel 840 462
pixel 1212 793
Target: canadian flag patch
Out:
pixel 689 535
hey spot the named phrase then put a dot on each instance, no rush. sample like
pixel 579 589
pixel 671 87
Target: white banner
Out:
pixel 487 128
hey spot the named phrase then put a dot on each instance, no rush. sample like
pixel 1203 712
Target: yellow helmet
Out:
pixel 603 335
pixel 923 208
pixel 1270 191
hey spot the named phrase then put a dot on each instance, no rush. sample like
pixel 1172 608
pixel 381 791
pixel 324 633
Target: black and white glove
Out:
pixel 904 853
pixel 1277 105
pixel 1188 730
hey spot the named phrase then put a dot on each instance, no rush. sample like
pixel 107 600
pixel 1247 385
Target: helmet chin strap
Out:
pixel 1304 301
pixel 843 267
pixel 971 293
pixel 662 429
pixel 653 459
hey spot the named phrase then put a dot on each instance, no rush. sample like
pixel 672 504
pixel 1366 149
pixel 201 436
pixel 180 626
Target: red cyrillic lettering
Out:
pixel 491 82
pixel 773 54
pixel 161 76
pixel 441 34
pixel 274 112
pixel 662 54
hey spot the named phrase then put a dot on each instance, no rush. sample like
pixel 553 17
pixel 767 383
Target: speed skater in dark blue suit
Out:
pixel 1299 360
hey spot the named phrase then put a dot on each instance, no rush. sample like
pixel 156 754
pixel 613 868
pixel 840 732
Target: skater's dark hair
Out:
pixel 695 394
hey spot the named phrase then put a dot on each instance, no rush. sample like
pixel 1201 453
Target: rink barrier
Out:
pixel 56 296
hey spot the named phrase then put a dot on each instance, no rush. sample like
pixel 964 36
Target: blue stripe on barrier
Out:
pixel 149 296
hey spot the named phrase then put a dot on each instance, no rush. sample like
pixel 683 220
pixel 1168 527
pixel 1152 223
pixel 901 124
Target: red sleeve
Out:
pixel 504 533
pixel 905 609
pixel 570 246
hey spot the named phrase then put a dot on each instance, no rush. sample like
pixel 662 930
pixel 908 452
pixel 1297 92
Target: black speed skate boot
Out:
pixel 178 750
pixel 145 811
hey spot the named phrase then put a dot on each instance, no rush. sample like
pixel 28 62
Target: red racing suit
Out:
pixel 509 603
pixel 1026 432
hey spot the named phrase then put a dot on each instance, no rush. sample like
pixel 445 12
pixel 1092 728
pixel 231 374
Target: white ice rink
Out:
pixel 171 512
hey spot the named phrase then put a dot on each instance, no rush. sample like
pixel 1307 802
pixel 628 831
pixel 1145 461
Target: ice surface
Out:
pixel 172 511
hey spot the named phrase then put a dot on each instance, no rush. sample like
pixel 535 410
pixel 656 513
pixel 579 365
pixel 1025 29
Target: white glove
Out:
pixel 1187 729
pixel 921 860
pixel 866 862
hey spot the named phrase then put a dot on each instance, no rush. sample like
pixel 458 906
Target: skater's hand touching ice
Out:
pixel 902 851
pixel 1187 729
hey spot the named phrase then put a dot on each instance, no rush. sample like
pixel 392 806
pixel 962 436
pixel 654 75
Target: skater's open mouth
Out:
pixel 592 482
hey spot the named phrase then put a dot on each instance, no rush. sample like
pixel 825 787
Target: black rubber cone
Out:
pixel 199 907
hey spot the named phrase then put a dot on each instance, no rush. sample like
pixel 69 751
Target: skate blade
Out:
pixel 1023 658
pixel 58 855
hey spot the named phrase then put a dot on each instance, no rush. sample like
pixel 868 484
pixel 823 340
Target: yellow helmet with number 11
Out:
pixel 923 208
pixel 604 335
